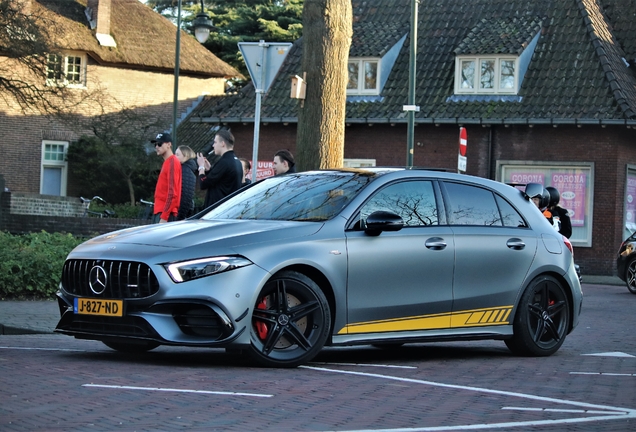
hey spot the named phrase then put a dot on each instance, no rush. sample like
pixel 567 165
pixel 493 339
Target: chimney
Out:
pixel 98 14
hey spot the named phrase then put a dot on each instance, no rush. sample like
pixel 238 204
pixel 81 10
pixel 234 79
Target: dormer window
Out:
pixel 66 69
pixel 364 76
pixel 493 58
pixel 486 75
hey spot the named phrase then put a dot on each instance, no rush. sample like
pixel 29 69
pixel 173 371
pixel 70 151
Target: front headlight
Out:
pixel 194 269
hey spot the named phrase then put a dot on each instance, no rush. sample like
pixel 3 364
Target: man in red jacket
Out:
pixel 168 190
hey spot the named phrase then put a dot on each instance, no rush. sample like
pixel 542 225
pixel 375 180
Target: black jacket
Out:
pixel 188 183
pixel 566 224
pixel 224 178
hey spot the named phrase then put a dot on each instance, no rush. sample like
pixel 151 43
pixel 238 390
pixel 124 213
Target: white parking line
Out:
pixel 42 349
pixel 602 373
pixel 177 390
pixel 365 364
pixel 609 412
pixel 610 354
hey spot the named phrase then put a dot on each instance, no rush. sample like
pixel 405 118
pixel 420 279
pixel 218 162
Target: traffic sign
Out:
pixel 263 60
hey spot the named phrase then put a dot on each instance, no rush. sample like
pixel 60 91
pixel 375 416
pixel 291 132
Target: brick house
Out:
pixel 546 91
pixel 123 53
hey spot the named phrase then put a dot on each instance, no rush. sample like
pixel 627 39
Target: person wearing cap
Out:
pixel 168 189
pixel 226 176
pixel 284 162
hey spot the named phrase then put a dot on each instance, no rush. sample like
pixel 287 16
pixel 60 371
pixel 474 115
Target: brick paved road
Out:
pixel 53 382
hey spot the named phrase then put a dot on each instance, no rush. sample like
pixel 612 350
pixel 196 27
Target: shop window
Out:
pixel 574 181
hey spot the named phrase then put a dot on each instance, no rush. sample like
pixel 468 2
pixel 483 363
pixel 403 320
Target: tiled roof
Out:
pixel 576 73
pixel 500 36
pixel 144 38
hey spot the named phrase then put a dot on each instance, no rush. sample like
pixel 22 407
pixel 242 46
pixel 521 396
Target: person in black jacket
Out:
pixel 559 214
pixel 226 175
pixel 187 158
pixel 284 163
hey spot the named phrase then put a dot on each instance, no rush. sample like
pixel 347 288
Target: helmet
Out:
pixel 536 190
pixel 554 196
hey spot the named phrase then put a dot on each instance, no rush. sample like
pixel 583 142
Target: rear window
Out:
pixel 473 205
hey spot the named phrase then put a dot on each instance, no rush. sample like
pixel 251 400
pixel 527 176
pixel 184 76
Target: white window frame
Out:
pixel 63 165
pixel 81 83
pixel 497 80
pixel 361 62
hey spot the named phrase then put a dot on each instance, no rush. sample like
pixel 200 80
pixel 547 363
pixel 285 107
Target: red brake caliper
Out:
pixel 261 327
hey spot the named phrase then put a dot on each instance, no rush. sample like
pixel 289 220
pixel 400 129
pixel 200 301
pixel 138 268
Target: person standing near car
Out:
pixel 559 214
pixel 226 175
pixel 247 166
pixel 187 157
pixel 168 189
pixel 284 163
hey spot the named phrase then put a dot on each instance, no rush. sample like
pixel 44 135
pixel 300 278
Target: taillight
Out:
pixel 568 244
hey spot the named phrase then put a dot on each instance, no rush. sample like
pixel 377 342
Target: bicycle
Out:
pixel 106 213
pixel 145 213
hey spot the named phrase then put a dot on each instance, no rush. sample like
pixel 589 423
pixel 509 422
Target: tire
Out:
pixel 131 347
pixel 290 322
pixel 542 319
pixel 630 276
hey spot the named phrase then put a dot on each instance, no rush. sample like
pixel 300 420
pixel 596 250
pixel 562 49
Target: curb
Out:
pixel 14 331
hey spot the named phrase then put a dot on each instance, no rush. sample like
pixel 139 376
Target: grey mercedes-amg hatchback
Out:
pixel 381 256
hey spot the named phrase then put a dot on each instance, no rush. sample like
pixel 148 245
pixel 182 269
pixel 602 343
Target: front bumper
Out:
pixel 209 312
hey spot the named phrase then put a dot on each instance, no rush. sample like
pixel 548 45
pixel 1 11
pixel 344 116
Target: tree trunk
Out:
pixel 327 30
pixel 131 190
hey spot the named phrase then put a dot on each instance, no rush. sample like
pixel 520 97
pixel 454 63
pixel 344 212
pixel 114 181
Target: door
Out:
pixel 401 281
pixel 494 249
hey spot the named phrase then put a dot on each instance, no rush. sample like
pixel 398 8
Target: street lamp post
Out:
pixel 202 27
pixel 412 108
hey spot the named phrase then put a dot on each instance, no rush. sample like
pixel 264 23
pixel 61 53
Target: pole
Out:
pixel 177 56
pixel 257 112
pixel 410 135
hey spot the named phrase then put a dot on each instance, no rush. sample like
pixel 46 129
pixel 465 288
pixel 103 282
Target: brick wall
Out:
pixel 610 148
pixel 146 93
pixel 44 205
pixel 24 213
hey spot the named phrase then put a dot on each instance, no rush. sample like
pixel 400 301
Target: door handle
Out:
pixel 435 243
pixel 515 243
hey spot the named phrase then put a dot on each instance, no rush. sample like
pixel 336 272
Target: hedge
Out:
pixel 31 264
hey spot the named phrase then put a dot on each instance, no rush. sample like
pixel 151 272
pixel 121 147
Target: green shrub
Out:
pixel 31 264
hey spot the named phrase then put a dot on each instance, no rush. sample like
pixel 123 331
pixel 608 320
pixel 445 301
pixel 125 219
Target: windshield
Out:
pixel 309 196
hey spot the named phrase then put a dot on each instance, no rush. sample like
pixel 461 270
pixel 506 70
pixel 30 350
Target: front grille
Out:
pixel 124 279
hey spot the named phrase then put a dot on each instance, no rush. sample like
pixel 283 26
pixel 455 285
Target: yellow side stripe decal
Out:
pixel 467 318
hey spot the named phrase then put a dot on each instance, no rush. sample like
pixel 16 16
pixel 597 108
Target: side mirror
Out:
pixel 383 221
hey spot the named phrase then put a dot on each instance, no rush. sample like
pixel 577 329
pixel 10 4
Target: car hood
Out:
pixel 230 233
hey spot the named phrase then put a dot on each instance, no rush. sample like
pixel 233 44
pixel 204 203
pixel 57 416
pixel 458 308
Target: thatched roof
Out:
pixel 145 39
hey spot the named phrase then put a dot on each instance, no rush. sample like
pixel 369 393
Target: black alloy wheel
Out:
pixel 542 319
pixel 290 322
pixel 630 276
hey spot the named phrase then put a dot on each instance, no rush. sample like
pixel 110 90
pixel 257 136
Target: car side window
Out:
pixel 509 216
pixel 471 205
pixel 414 201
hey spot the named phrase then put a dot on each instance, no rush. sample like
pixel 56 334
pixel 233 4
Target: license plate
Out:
pixel 89 306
